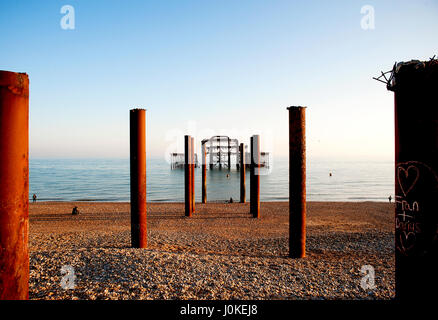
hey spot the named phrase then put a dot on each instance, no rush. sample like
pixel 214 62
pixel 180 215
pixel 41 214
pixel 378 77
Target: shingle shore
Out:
pixel 220 253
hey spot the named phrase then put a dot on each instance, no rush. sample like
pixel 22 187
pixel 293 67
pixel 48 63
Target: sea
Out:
pixel 108 180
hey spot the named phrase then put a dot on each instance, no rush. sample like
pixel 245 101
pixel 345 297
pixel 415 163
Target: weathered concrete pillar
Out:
pixel 204 174
pixel 14 186
pixel 255 176
pixel 416 179
pixel 297 182
pixel 187 176
pixel 138 177
pixel 242 173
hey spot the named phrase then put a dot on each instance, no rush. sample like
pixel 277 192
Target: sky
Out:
pixel 212 67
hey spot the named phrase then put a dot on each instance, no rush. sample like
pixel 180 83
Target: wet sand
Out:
pixel 219 253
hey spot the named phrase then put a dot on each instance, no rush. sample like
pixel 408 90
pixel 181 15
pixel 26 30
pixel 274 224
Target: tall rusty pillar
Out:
pixel 251 173
pixel 192 172
pixel 242 173
pixel 297 182
pixel 204 174
pixel 187 176
pixel 255 177
pixel 14 186
pixel 138 177
pixel 416 179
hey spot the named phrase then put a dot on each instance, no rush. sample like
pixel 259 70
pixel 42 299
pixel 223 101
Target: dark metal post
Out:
pixel 138 177
pixel 14 186
pixel 242 173
pixel 204 174
pixel 297 182
pixel 219 152
pixel 255 176
pixel 187 181
pixel 192 172
pixel 229 154
pixel 416 179
pixel 251 174
pixel 211 154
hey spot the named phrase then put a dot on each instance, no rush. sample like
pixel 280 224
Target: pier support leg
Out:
pixel 297 182
pixel 211 156
pixel 192 172
pixel 242 173
pixel 229 154
pixel 14 186
pixel 255 177
pixel 416 181
pixel 138 177
pixel 204 174
pixel 187 178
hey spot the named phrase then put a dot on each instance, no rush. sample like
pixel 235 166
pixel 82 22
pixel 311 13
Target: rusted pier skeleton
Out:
pixel 138 177
pixel 416 178
pixel 14 186
pixel 297 182
pixel 255 177
pixel 242 173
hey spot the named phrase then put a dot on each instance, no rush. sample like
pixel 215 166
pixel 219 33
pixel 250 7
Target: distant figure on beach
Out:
pixel 389 198
pixel 228 176
pixel 231 200
pixel 34 197
pixel 75 211
pixel 330 174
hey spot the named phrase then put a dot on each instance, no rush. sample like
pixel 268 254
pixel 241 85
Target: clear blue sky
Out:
pixel 209 67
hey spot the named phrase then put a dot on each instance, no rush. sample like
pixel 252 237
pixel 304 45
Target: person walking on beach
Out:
pixel 34 197
pixel 389 198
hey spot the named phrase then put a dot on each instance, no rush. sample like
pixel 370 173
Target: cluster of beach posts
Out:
pixel 240 250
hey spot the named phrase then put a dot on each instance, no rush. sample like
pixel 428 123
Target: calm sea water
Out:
pixel 108 180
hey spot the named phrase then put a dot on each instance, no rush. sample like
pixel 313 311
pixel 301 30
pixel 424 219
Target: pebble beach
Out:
pixel 220 253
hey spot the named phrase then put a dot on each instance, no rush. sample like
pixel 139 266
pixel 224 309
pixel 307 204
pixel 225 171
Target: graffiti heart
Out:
pixel 407 178
pixel 407 241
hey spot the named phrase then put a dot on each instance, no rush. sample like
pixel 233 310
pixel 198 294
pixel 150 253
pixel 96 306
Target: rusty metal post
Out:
pixel 255 177
pixel 192 172
pixel 204 174
pixel 297 182
pixel 14 186
pixel 416 179
pixel 242 173
pixel 138 177
pixel 187 181
pixel 251 173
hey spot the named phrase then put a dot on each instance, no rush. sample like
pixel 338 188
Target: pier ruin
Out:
pixel 221 152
